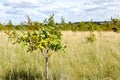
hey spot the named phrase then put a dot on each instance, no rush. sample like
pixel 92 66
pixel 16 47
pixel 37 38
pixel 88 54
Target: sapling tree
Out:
pixel 45 39
pixel 91 37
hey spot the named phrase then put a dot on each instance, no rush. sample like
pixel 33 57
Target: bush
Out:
pixel 91 37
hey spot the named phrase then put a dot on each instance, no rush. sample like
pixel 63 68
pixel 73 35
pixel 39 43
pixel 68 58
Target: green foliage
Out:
pixel 9 24
pixel 37 25
pixel 47 37
pixel 73 26
pixel 81 25
pixel 91 37
pixel 91 27
pixel 1 26
pixel 115 25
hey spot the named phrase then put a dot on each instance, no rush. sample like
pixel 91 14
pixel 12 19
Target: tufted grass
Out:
pixel 81 60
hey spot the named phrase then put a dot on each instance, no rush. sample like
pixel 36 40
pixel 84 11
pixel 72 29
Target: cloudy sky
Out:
pixel 71 10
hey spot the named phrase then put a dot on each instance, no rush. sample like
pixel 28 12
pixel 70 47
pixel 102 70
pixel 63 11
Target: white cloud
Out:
pixel 20 1
pixel 71 10
pixel 76 10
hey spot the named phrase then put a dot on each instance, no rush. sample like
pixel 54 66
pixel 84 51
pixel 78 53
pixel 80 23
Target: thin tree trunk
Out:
pixel 46 68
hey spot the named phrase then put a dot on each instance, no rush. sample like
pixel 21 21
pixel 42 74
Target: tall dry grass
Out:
pixel 81 60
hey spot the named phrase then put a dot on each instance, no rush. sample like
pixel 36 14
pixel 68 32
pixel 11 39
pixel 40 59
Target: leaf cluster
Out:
pixel 91 37
pixel 47 37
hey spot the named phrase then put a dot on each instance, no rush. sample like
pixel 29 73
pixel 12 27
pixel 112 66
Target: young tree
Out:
pixel 91 36
pixel 47 38
pixel 9 25
pixel 29 23
pixel 62 21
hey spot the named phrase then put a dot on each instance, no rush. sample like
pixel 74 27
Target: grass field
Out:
pixel 81 60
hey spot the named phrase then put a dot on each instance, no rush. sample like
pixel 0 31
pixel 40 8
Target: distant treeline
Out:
pixel 113 25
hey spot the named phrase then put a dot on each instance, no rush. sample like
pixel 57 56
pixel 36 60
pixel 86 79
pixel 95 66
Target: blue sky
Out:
pixel 71 10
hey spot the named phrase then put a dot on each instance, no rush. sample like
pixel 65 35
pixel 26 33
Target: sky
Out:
pixel 70 10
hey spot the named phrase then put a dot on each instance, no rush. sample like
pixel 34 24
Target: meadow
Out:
pixel 81 60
